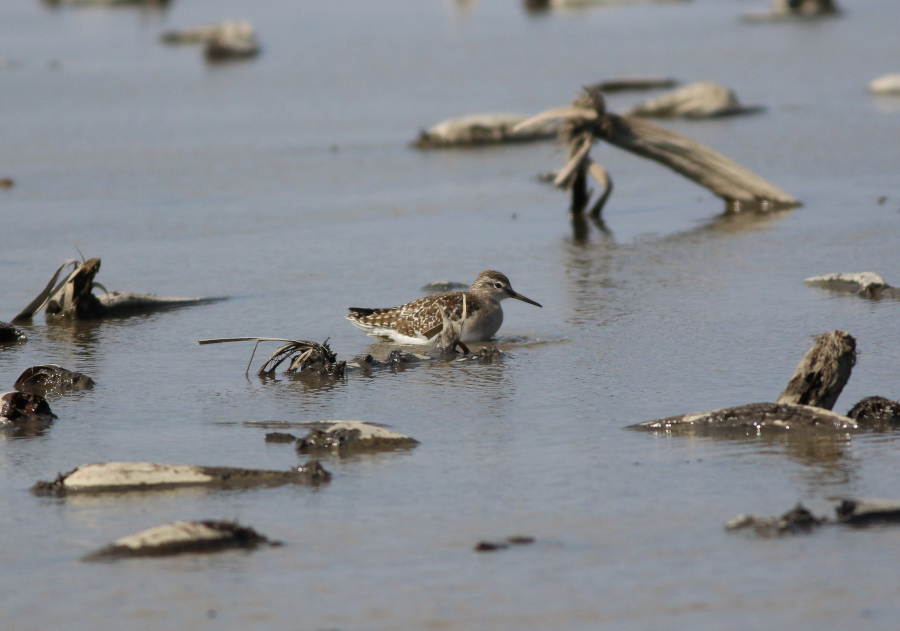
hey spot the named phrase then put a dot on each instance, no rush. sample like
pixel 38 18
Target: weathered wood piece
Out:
pixel 9 333
pixel 794 9
pixel 205 33
pixel 888 84
pixel 627 84
pixel 861 512
pixel 697 162
pixel 345 437
pixel 50 378
pixel 182 537
pixel 805 404
pixel 543 5
pixel 587 120
pixel 233 40
pixel 108 477
pixel 73 298
pixel 797 520
pixel 823 372
pixel 703 99
pixel 864 284
pixel 483 129
pixel 756 417
pixel 848 512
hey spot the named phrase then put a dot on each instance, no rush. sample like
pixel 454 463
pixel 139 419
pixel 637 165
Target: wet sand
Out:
pixel 287 183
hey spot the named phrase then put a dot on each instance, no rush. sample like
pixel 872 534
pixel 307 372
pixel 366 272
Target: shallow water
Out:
pixel 287 183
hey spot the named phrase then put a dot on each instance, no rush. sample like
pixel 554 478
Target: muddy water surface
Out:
pixel 287 183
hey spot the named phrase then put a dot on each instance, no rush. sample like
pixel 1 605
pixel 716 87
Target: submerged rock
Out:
pixel 9 333
pixel 483 129
pixel 888 84
pixel 865 284
pixel 280 437
pixel 182 537
pixel 50 378
pixel 704 99
pixel 345 437
pixel 149 476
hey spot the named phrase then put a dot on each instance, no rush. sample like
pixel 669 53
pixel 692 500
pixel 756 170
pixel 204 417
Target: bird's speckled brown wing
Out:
pixel 416 318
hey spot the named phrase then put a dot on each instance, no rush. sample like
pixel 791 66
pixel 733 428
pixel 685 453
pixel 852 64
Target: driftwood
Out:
pixel 823 372
pixel 848 512
pixel 627 84
pixel 107 477
pixel 805 404
pixel 234 40
pixel 73 298
pixel 483 129
pixel 182 537
pixel 704 99
pixel 544 5
pixel 793 9
pixel 888 84
pixel 50 378
pixel 587 121
pixel 864 284
pixel 206 33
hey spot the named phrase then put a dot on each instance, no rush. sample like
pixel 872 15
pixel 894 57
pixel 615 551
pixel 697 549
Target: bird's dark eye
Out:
pixel 498 285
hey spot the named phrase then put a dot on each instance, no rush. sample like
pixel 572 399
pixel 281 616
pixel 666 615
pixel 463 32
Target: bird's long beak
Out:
pixel 513 294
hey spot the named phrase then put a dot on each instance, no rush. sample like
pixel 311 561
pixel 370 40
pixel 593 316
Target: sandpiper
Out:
pixel 417 322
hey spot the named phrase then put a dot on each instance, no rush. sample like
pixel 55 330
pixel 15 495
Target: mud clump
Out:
pixel 26 413
pixel 345 437
pixel 9 333
pixel 50 378
pixel 876 412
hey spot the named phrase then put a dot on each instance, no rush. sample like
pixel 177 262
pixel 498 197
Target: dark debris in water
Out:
pixel 52 379
pixel 9 333
pixel 492 546
pixel 799 520
pixel 280 437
